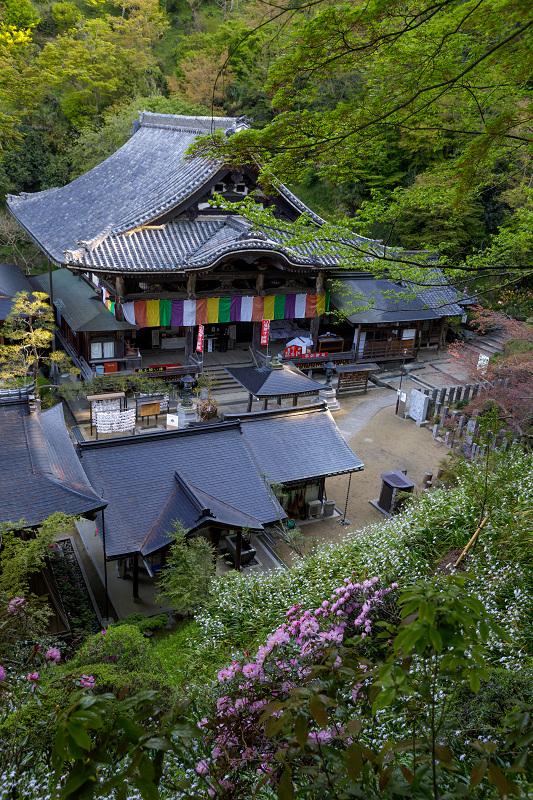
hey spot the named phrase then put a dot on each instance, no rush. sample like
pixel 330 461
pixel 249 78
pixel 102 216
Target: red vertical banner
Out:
pixel 200 342
pixel 265 330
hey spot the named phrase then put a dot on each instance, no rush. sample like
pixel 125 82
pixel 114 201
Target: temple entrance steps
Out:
pixel 224 382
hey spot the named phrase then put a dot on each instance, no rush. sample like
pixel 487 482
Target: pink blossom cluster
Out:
pixel 53 654
pixel 87 682
pixel 17 605
pixel 235 736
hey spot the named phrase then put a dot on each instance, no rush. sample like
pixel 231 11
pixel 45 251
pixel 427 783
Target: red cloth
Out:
pixel 141 314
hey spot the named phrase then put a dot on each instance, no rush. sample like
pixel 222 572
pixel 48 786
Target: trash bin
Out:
pixel 329 508
pixel 392 483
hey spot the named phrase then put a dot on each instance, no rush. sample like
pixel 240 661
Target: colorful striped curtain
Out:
pixel 215 310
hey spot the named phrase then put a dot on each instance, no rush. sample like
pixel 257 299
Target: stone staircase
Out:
pixel 224 382
pixel 489 344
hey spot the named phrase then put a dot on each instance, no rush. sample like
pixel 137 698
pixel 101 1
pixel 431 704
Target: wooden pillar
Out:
pixel 442 333
pixel 191 286
pixel 250 400
pixel 357 343
pixel 278 400
pixel 260 283
pixel 136 576
pixel 265 404
pixel 119 296
pixel 313 332
pixel 238 551
pixel 320 283
pixel 295 400
pixel 189 343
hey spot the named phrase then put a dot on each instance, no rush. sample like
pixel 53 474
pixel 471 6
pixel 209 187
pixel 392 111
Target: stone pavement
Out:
pixel 352 423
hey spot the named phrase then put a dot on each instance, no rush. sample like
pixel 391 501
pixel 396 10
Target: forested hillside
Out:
pixel 414 117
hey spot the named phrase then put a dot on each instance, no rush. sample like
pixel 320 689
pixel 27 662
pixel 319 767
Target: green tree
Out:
pixel 449 83
pixel 190 569
pixel 30 328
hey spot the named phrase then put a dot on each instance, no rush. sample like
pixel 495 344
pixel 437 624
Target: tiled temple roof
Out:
pixel 96 221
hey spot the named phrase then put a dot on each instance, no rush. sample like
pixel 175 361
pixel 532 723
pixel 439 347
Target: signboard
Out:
pixel 265 330
pixel 482 363
pixel 172 422
pixel 200 342
pixel 150 409
pixel 292 351
pixel 314 355
pixel 158 367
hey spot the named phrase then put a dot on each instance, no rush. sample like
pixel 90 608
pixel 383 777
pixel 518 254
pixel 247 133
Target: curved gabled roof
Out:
pixel 145 178
pixel 96 222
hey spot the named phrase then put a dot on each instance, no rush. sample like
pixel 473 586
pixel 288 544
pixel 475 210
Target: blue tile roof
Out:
pixel 137 478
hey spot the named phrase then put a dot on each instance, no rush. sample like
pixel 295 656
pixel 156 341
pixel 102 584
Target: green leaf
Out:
pixel 318 712
pixel 75 782
pixel 475 683
pixel 157 743
pixel 301 730
pixel 354 761
pixel 285 787
pixel 478 771
pixel 435 639
pixel 273 726
pixel 80 735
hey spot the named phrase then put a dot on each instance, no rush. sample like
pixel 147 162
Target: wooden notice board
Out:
pixel 150 409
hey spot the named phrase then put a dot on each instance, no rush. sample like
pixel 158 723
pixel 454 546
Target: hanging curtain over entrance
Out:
pixel 216 310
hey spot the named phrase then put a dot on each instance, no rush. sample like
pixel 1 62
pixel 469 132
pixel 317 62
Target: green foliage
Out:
pixel 23 553
pixel 20 14
pixel 186 659
pixel 106 730
pixel 143 622
pixel 65 15
pixel 30 328
pixel 187 580
pixel 123 646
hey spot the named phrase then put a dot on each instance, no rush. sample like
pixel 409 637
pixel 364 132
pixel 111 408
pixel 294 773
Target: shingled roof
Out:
pixel 268 382
pixel 41 471
pixel 77 302
pixel 215 472
pixel 293 445
pixel 96 222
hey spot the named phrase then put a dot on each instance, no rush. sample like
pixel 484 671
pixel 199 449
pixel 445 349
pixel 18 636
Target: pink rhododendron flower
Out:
pixel 87 681
pixel 17 605
pixel 53 654
pixel 33 676
pixel 202 768
pixel 2 674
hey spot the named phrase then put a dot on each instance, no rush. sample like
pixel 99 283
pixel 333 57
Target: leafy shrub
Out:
pixel 144 623
pixel 112 678
pixel 478 715
pixel 124 646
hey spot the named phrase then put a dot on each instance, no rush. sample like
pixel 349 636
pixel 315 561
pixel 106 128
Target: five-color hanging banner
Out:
pixel 213 310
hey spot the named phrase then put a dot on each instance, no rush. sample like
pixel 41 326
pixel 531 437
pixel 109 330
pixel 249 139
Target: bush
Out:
pixel 112 678
pixel 123 646
pixel 144 623
pixel 478 715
